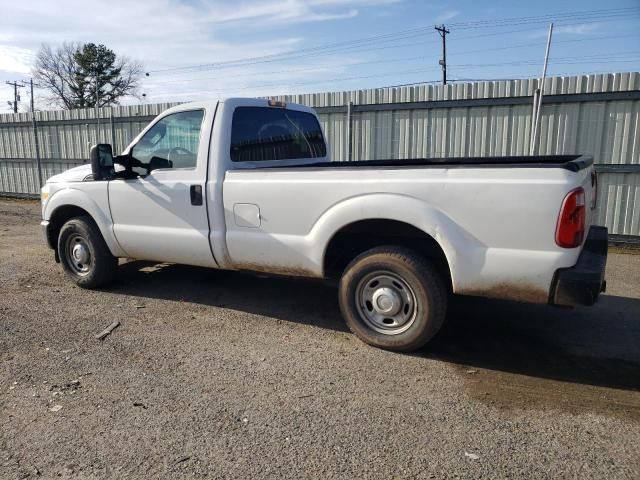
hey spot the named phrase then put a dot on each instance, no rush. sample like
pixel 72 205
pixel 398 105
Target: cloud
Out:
pixel 447 15
pixel 291 11
pixel 578 29
pixel 169 33
pixel 15 59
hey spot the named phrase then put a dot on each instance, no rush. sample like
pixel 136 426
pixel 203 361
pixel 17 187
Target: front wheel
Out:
pixel 393 298
pixel 84 254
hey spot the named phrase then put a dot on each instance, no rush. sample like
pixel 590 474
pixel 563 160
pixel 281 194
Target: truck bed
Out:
pixel 573 163
pixel 495 223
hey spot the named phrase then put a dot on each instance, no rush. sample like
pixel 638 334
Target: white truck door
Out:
pixel 161 215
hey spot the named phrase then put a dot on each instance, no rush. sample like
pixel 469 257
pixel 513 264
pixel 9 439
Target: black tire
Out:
pixel 423 304
pixel 100 266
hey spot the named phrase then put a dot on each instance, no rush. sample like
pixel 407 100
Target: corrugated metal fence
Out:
pixel 64 138
pixel 595 114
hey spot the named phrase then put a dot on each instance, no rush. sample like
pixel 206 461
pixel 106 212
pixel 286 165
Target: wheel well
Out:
pixel 59 217
pixel 356 238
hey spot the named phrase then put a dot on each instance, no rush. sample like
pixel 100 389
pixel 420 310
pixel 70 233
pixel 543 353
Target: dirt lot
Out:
pixel 226 375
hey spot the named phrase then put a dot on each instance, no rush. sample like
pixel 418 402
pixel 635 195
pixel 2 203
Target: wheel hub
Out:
pixel 80 253
pixel 386 301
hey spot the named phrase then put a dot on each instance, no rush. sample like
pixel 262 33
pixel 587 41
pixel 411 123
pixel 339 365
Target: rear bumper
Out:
pixel 582 283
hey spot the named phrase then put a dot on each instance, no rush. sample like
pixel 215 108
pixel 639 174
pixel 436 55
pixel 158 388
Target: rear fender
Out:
pixel 462 250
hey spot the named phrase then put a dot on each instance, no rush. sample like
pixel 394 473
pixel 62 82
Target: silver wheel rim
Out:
pixel 386 302
pixel 78 254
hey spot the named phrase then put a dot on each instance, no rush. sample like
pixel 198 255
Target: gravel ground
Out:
pixel 226 375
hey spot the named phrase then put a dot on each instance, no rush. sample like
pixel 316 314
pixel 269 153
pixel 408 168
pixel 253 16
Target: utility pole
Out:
pixel 34 126
pixel 537 98
pixel 16 97
pixel 33 109
pixel 443 61
pixel 35 134
pixel 30 85
pixel 97 108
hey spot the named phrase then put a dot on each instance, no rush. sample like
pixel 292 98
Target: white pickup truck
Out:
pixel 246 184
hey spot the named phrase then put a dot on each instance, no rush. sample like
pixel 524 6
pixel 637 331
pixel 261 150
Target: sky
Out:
pixel 197 49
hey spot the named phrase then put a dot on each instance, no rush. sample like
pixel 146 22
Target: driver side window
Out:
pixel 172 142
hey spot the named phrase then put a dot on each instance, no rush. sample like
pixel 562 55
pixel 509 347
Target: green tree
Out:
pixel 85 76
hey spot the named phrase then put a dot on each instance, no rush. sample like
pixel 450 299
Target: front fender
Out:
pixel 462 250
pixel 93 198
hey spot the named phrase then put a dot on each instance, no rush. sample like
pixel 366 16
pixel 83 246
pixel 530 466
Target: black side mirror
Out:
pixel 101 156
pixel 159 162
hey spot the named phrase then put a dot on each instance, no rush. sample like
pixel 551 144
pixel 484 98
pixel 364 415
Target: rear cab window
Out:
pixel 268 133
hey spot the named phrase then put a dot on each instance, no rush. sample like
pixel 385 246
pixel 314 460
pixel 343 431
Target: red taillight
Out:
pixel 570 229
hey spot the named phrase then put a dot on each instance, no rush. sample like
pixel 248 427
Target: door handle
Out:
pixel 195 192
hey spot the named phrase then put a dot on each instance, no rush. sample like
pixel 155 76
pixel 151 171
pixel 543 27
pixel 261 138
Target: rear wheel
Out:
pixel 84 254
pixel 393 298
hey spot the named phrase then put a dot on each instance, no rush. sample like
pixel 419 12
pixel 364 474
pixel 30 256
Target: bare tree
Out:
pixel 84 76
pixel 55 71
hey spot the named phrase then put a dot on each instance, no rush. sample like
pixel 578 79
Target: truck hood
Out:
pixel 75 174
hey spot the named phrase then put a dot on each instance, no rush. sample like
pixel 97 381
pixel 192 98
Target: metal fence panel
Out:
pixel 20 176
pixel 619 203
pixel 595 114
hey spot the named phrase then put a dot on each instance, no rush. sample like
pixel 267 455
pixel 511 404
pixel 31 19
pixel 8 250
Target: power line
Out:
pixel 355 49
pixel 295 54
pixel 536 62
pixel 536 28
pixel 532 44
pixel 593 58
pixel 299 54
pixel 319 82
pixel 556 17
pixel 596 58
pixel 385 61
pixel 420 70
pixel 428 82
pixel 289 56
pixel 292 70
pixel 378 42
pixel 600 15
